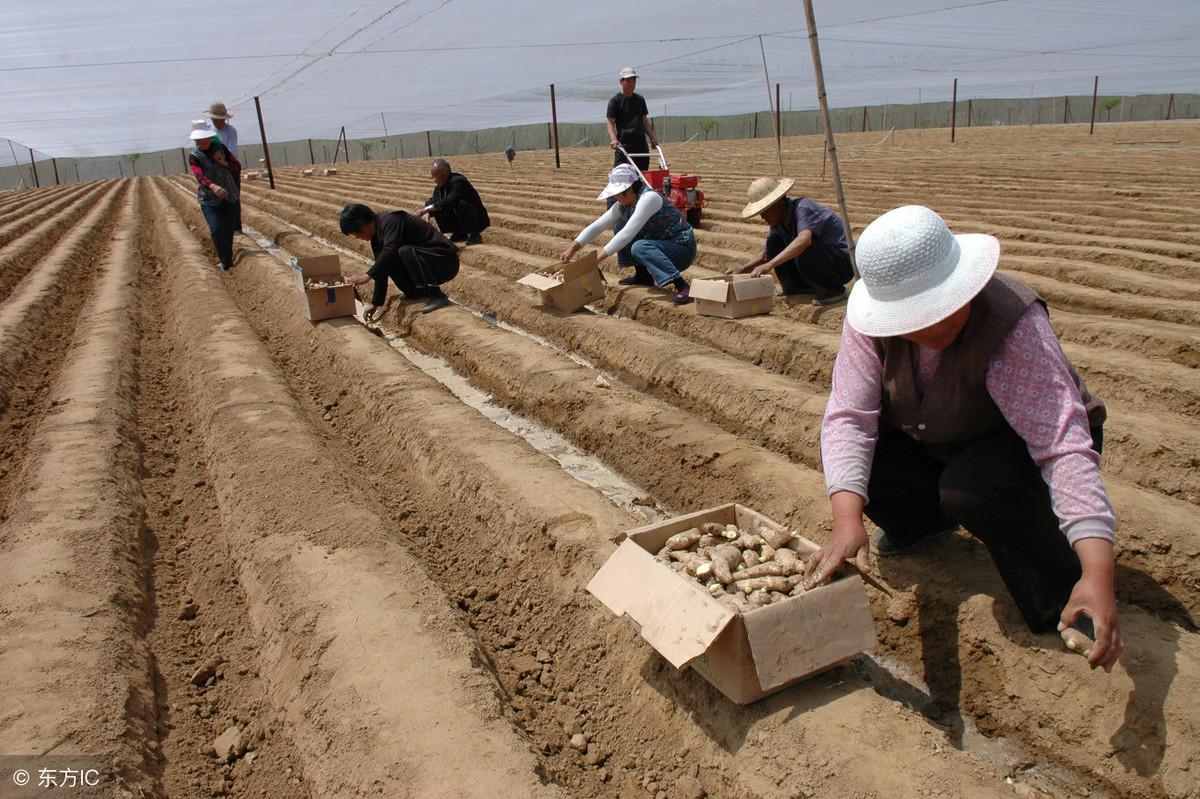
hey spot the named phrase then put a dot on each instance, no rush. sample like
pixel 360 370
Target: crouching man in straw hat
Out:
pixel 953 404
pixel 806 243
pixel 653 234
pixel 407 249
pixel 220 116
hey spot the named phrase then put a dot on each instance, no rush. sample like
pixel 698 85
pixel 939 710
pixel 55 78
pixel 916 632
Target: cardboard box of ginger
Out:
pixel 720 591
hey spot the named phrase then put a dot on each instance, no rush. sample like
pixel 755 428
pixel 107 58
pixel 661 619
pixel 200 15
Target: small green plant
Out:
pixel 133 158
pixel 707 126
pixel 367 147
pixel 1108 104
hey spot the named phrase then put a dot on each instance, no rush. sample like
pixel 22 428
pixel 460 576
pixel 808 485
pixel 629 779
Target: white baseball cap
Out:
pixel 622 177
pixel 627 72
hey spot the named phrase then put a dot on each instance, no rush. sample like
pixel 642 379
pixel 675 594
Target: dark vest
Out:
pixel 957 409
pixel 667 224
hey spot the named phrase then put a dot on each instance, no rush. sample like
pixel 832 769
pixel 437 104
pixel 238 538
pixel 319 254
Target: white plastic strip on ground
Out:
pixel 572 460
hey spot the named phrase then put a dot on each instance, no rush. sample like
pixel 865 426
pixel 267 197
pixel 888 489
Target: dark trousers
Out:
pixel 459 218
pixel 222 222
pixel 417 272
pixel 995 491
pixel 633 146
pixel 818 270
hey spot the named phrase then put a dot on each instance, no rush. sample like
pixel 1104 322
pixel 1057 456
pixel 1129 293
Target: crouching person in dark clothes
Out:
pixel 953 404
pixel 455 205
pixel 806 244
pixel 407 249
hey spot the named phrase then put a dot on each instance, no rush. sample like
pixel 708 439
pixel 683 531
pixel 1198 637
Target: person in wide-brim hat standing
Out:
pixel 219 115
pixel 954 405
pixel 215 169
pixel 806 244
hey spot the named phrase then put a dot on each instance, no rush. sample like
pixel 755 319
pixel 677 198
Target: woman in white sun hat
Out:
pixel 953 404
pixel 215 170
pixel 654 236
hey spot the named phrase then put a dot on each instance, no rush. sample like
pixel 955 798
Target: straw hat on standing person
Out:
pixel 218 111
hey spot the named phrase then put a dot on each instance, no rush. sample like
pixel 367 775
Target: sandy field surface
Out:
pixel 244 555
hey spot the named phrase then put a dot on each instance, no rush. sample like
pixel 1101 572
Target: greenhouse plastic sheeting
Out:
pixel 104 77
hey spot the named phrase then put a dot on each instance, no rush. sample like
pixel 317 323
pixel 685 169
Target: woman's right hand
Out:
pixel 219 191
pixel 848 540
pixel 569 253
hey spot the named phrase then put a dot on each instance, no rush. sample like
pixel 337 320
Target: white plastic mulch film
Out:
pixel 92 77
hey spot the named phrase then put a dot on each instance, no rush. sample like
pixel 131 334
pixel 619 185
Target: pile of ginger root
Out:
pixel 740 569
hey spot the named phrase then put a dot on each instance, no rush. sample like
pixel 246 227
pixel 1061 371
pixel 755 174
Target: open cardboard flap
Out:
pixel 318 266
pixel 539 281
pixel 588 262
pixel 677 618
pixel 711 289
pixel 791 639
pixel 746 287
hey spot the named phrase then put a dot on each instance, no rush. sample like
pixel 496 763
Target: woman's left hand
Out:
pixel 1095 597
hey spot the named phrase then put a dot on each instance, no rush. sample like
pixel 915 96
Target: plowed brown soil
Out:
pixel 217 518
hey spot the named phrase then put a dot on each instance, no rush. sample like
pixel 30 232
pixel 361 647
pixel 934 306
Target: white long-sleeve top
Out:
pixel 228 136
pixel 647 206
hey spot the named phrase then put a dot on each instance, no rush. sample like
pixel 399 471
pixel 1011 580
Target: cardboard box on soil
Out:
pixel 747 655
pixel 734 296
pixel 318 304
pixel 580 284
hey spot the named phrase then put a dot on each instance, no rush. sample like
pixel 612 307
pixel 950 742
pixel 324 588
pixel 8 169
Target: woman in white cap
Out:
pixel 227 133
pixel 215 169
pixel 653 236
pixel 953 404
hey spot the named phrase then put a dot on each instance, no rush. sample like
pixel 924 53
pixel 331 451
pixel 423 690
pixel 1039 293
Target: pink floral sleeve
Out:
pixel 1031 385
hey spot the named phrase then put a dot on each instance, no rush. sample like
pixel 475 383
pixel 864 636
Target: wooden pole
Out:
pixel 54 161
pixel 1066 109
pixel 312 158
pixel 767 78
pixel 266 150
pixel 384 121
pixel 183 154
pixel 1170 105
pixel 429 144
pixel 33 166
pixel 1095 88
pixel 554 124
pixel 970 111
pixel 343 143
pixel 778 122
pixel 829 140
pixel 953 110
pixel 864 122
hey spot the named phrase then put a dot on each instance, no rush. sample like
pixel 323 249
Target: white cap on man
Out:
pixel 627 72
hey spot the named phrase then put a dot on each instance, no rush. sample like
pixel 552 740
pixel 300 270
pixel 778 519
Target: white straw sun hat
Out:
pixel 201 130
pixel 622 177
pixel 915 272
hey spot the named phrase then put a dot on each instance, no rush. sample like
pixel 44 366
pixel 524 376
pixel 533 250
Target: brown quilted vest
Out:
pixel 957 409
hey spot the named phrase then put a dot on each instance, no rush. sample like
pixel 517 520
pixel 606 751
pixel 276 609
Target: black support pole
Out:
pixel 554 123
pixel 262 130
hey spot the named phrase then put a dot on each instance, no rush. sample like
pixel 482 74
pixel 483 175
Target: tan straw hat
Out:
pixel 915 272
pixel 218 111
pixel 763 193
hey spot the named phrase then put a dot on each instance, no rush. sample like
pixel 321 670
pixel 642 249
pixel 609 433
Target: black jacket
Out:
pixel 458 189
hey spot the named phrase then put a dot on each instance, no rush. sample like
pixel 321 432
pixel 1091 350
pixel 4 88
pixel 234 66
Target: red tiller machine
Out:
pixel 680 190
